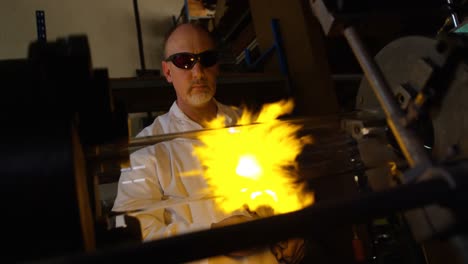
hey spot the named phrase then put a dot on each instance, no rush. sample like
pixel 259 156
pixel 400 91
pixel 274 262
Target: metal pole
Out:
pixel 106 151
pixel 407 140
pixel 140 40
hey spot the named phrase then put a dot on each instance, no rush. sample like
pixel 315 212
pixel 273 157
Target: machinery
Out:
pixel 405 146
pixel 49 183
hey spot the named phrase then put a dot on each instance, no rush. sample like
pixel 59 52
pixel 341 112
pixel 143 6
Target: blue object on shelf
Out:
pixel 187 13
pixel 40 25
pixel 277 46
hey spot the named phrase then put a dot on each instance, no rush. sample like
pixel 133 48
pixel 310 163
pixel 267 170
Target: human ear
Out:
pixel 167 71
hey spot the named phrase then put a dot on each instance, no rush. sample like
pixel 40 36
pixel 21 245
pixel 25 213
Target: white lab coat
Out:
pixel 170 183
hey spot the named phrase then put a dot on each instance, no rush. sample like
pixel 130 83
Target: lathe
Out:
pixel 403 149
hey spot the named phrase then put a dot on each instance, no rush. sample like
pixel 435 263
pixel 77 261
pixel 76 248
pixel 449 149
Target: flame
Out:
pixel 248 167
pixel 255 165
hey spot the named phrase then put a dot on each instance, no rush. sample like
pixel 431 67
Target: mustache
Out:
pixel 199 82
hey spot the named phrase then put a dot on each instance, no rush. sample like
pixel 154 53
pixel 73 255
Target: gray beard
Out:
pixel 200 98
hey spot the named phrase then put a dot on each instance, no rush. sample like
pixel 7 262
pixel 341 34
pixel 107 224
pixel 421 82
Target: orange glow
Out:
pixel 255 165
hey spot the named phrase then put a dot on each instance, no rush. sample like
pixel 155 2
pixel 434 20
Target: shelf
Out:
pixel 155 94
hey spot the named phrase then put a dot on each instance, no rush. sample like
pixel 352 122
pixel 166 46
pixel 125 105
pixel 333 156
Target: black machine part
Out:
pixel 428 78
pixel 313 222
pixel 55 105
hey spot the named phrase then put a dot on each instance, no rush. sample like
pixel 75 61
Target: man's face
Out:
pixel 194 87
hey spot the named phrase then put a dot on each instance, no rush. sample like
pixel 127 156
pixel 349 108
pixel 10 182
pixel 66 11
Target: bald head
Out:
pixel 187 36
pixel 195 86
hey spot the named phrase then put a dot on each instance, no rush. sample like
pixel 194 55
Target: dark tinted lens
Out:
pixel 184 60
pixel 208 58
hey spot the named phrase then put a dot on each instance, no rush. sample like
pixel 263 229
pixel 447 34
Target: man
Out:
pixel 170 184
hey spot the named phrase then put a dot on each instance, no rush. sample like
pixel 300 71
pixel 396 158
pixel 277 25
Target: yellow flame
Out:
pixel 248 167
pixel 255 165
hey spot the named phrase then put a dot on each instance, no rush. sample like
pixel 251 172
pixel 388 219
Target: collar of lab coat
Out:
pixel 178 114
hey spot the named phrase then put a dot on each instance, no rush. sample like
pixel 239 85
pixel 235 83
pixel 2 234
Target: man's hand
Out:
pixel 291 251
pixel 232 220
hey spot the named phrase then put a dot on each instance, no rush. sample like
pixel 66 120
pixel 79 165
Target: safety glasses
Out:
pixel 186 60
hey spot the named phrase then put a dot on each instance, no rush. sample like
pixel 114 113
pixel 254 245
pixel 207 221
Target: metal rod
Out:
pixel 453 14
pixel 140 39
pixel 407 140
pixel 311 222
pixel 307 123
pixel 311 124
